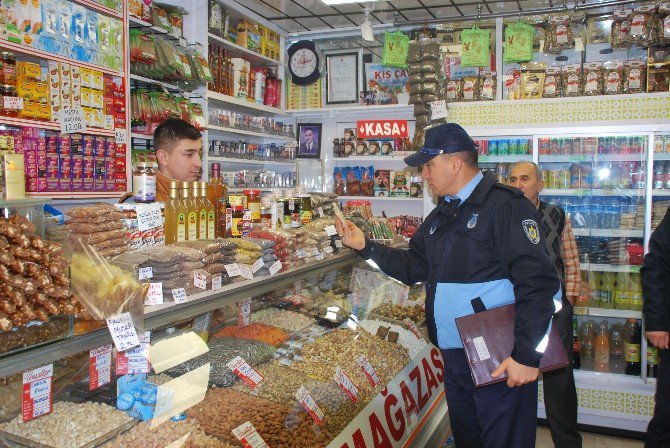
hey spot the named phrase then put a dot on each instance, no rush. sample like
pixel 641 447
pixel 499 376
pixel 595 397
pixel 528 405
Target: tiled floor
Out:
pixel 589 440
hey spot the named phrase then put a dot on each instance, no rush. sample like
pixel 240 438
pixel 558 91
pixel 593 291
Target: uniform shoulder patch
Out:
pixel 532 230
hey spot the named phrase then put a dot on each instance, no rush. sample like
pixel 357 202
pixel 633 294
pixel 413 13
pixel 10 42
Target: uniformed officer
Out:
pixel 481 241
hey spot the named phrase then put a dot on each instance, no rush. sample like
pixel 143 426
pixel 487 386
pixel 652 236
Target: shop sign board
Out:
pixel 382 129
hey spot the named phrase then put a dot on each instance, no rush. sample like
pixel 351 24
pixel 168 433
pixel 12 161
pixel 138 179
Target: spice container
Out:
pixel 253 198
pixel 266 217
pixel 237 221
pixel 144 182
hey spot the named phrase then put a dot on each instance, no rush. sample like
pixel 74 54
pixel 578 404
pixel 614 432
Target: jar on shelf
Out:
pixel 305 208
pixel 254 204
pixel 8 73
pixel 237 221
pixel 144 182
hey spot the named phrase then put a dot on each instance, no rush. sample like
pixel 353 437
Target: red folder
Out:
pixel 488 338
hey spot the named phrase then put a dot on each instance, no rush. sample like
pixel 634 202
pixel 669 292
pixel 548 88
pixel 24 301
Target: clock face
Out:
pixel 303 63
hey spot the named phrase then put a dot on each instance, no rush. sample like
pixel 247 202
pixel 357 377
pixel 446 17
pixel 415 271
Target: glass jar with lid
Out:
pixel 144 182
pixel 8 73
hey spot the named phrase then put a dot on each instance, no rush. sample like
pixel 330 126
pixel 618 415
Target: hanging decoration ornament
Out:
pixel 396 45
pixel 518 43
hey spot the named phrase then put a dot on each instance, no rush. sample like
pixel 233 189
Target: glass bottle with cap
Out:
pixel 210 217
pixel 175 216
pixel 192 212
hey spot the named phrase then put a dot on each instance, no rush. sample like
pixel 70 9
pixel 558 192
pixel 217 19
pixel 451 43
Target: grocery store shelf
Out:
pixel 220 98
pixel 592 158
pixel 168 313
pixel 660 192
pixel 608 233
pixel 606 312
pixel 661 156
pixel 250 161
pixel 275 137
pixel 10 121
pixel 135 22
pixel 141 136
pixel 371 159
pixel 505 159
pixel 377 198
pixel 28 202
pixel 240 189
pixel 34 52
pixel 78 194
pixel 153 82
pixel 609 267
pixel 370 111
pixel 101 8
pixel 237 51
pixel 593 192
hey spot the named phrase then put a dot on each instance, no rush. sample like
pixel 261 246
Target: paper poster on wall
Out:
pixel 386 85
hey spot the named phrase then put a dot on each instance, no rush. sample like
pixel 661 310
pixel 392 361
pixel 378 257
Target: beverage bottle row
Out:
pixel 221 66
pixel 661 179
pixel 605 349
pixel 595 212
pixel 605 175
pixel 592 145
pixel 611 290
pixel 504 147
pixel 189 214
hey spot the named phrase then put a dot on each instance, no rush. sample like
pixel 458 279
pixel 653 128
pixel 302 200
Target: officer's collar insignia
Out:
pixel 473 221
pixel 532 231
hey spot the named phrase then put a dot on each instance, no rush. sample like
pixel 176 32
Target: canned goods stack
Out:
pixel 504 147
pixel 592 145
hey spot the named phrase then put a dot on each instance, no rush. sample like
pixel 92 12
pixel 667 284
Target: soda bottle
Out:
pixel 635 293
pixel 601 348
pixel 621 299
pixel 607 290
pixel 659 175
pixel 652 361
pixel 594 287
pixel 587 345
pixel 576 346
pixel 616 349
pixel 584 298
pixel 632 347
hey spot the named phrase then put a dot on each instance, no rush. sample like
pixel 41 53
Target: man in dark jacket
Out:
pixel 656 310
pixel 482 241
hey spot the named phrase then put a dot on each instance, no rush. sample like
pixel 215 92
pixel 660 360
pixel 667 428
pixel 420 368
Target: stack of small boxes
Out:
pixel 31 87
pixel 92 98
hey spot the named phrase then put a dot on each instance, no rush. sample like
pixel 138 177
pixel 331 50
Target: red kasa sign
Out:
pixel 382 129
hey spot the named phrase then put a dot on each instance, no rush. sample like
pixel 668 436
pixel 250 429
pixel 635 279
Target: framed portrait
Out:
pixel 343 76
pixel 309 140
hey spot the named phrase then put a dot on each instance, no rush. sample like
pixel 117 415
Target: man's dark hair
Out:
pixel 171 131
pixel 470 158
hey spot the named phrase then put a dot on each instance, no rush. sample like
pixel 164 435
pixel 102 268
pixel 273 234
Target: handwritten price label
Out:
pixel 256 266
pixel 200 279
pixel 438 109
pixel 243 313
pixel 232 269
pixel 301 253
pixel 179 295
pixel 72 121
pixel 100 366
pixel 248 436
pixel 123 332
pixel 216 283
pixel 154 294
pixel 135 360
pixel 36 399
pixel 246 271
pixel 13 102
pixel 247 373
pixel 368 370
pixel 328 250
pixel 149 216
pixel 276 267
pixel 346 384
pixel 330 230
pixel 145 273
pixel 308 403
pixel 121 136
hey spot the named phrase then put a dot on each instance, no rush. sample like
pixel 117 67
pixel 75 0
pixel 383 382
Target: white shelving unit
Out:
pixel 629 192
pixel 231 160
pixel 597 267
pixel 572 158
pixel 256 59
pixel 246 133
pixel 378 198
pixel 614 233
pixel 153 82
pixel 230 102
pixel 606 312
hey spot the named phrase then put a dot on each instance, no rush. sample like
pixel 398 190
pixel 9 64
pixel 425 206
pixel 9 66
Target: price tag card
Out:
pixel 72 121
pixel 99 366
pixel 247 373
pixel 338 244
pixel 109 122
pixel 321 212
pixel 330 230
pixel 149 216
pixel 314 251
pixel 256 266
pixel 179 295
pixel 217 283
pixel 346 384
pixel 319 256
pixel 243 312
pixel 36 399
pixel 135 360
pixel 200 279
pixel 246 271
pixel 308 403
pixel 233 269
pixel 328 250
pixel 123 332
pixel 580 311
pixel 248 436
pixel 301 253
pixel 145 273
pixel 13 102
pixel 121 136
pixel 154 294
pixel 368 370
pixel 414 329
pixel 276 267
pixel 438 109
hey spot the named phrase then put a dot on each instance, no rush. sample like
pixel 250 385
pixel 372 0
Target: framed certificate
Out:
pixel 343 77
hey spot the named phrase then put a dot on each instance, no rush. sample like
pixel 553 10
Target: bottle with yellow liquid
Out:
pixel 201 208
pixel 171 214
pixel 210 213
pixel 635 293
pixel 607 290
pixel 594 287
pixel 182 214
pixel 191 213
pixel 584 298
pixel 621 295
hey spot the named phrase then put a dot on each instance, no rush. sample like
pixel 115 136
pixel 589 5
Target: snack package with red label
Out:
pixel 272 92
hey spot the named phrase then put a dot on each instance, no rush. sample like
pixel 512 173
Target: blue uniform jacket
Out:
pixel 490 247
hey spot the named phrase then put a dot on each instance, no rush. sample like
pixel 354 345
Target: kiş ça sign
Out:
pixel 382 129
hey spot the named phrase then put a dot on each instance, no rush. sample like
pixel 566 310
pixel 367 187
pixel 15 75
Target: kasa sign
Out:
pixel 382 129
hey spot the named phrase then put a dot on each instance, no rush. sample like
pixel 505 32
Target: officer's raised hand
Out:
pixel 351 235
pixel 517 374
